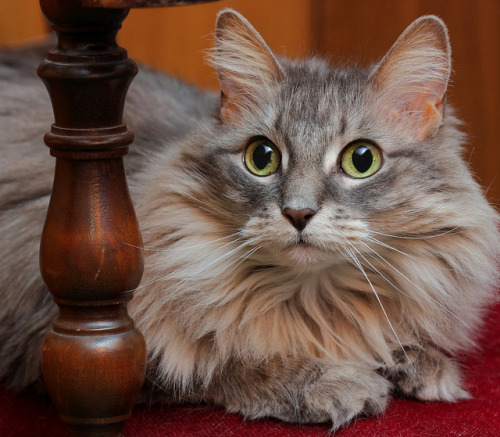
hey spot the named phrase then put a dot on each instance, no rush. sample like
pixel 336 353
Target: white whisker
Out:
pixel 387 246
pixel 185 266
pixel 205 267
pixel 240 260
pixel 490 185
pixel 187 247
pixel 415 285
pixel 360 267
pixel 416 236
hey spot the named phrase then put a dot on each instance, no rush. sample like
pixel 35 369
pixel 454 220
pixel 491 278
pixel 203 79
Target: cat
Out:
pixel 314 240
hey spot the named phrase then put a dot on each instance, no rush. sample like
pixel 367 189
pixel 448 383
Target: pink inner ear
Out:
pixel 246 66
pixel 228 107
pixel 427 110
pixel 234 97
pixel 230 99
pixel 412 79
pixel 420 112
pixel 229 102
pixel 433 94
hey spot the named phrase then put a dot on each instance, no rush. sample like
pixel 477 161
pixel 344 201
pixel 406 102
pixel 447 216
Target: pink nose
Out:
pixel 299 217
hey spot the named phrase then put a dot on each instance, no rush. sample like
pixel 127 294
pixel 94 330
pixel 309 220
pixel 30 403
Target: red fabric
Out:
pixel 31 415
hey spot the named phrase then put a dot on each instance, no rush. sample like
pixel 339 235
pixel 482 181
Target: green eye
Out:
pixel 361 159
pixel 262 157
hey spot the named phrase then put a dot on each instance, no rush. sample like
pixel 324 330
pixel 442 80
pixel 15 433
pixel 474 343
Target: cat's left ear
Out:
pixel 412 78
pixel 246 67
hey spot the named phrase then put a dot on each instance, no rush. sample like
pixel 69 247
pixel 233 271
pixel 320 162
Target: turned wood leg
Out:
pixel 94 359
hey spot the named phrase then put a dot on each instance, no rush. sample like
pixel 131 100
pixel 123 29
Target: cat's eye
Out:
pixel 361 159
pixel 262 157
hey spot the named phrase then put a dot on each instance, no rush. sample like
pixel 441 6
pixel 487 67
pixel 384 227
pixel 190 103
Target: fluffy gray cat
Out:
pixel 314 240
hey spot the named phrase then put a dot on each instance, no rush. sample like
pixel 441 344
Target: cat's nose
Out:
pixel 299 217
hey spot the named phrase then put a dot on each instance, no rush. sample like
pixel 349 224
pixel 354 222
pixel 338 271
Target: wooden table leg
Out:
pixel 94 359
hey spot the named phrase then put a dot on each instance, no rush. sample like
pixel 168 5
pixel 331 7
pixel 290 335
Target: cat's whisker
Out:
pixel 394 285
pixel 416 236
pixel 240 260
pixel 423 214
pixel 416 286
pixel 214 299
pixel 196 246
pixel 360 267
pixel 299 274
pixel 185 266
pixel 470 156
pixel 490 185
pixel 387 246
pixel 387 280
pixel 379 273
pixel 208 265
pixel 205 267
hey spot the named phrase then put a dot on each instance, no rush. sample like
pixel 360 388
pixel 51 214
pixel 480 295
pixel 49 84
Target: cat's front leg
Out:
pixel 301 390
pixel 425 373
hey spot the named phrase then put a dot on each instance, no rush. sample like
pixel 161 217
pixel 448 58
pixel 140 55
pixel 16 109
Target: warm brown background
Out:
pixel 174 39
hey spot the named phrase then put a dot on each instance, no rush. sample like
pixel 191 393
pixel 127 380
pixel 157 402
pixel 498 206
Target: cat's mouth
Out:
pixel 303 252
pixel 302 241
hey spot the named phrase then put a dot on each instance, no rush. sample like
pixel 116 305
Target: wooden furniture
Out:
pixel 94 360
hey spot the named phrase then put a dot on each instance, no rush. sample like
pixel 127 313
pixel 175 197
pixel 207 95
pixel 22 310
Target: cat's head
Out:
pixel 315 162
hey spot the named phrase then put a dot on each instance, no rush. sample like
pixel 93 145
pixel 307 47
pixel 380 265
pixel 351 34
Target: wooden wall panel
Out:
pixel 175 39
pixel 21 22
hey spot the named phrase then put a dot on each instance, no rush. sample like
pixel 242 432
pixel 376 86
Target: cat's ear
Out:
pixel 412 78
pixel 245 65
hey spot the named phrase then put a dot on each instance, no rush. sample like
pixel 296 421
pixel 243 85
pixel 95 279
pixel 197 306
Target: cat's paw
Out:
pixel 301 390
pixel 426 374
pixel 342 393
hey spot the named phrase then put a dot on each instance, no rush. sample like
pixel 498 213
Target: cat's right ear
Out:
pixel 412 78
pixel 245 65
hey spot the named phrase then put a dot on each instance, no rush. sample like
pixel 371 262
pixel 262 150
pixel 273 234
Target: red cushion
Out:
pixel 32 415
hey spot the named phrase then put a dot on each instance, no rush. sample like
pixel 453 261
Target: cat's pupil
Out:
pixel 262 156
pixel 362 159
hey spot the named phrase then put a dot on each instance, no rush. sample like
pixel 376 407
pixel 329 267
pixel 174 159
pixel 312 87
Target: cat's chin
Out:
pixel 306 256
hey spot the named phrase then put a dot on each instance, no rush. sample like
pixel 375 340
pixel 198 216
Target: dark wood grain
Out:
pixel 139 3
pixel 94 359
